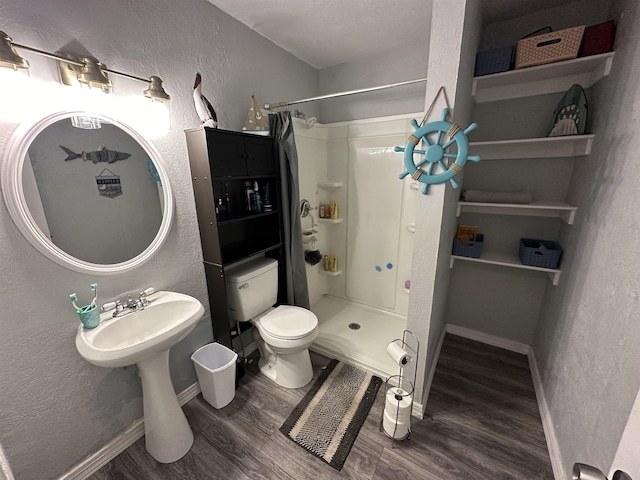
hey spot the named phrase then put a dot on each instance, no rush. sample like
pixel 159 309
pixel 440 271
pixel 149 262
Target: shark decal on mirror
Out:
pixel 100 155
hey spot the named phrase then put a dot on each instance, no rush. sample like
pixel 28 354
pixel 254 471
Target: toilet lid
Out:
pixel 287 321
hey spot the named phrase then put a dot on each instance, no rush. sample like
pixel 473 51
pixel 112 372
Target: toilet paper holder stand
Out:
pixel 403 386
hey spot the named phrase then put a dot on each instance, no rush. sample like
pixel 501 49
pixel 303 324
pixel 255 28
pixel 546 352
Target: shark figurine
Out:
pixel 100 155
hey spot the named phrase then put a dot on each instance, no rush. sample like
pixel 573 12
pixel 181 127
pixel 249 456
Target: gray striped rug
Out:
pixel 327 420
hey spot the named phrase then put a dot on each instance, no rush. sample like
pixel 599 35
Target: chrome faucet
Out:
pixel 131 305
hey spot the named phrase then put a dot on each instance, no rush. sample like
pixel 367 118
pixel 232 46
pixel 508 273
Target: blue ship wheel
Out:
pixel 435 154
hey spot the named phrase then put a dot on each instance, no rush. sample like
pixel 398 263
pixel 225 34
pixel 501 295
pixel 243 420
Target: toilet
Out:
pixel 283 334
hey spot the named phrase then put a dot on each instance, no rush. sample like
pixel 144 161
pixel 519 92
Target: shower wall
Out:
pixel 354 164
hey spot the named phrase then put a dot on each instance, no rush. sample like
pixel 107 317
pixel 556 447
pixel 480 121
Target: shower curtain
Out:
pixel 282 129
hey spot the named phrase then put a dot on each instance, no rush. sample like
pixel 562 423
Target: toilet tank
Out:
pixel 252 288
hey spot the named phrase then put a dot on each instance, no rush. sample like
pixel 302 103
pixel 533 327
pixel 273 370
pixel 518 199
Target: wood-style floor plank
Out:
pixel 481 423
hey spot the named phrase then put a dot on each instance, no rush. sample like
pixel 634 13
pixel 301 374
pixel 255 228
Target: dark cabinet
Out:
pixel 236 155
pixel 228 169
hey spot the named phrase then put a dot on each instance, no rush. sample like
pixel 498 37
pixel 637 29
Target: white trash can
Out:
pixel 216 369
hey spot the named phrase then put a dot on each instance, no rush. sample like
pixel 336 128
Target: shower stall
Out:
pixel 362 305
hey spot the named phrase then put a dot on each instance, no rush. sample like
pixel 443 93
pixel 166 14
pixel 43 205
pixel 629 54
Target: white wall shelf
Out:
pixel 330 220
pixel 330 185
pixel 543 79
pixel 329 273
pixel 560 210
pixel 546 147
pixel 507 260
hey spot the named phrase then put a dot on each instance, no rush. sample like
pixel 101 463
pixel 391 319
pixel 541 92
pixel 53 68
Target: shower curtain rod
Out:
pixel 269 106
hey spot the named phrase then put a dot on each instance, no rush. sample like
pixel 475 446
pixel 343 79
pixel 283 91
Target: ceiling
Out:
pixel 324 33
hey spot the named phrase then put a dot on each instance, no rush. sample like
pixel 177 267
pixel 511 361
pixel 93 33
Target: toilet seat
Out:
pixel 287 322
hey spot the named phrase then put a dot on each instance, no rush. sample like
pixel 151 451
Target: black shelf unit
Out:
pixel 221 163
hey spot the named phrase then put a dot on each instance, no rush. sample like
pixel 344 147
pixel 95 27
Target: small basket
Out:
pixel 472 248
pixel 494 61
pixel 540 253
pixel 598 38
pixel 549 47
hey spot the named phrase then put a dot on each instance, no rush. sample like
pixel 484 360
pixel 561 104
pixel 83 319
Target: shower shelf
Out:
pixel 329 185
pixel 330 220
pixel 330 274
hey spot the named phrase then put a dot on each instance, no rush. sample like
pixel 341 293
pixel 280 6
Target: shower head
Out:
pixel 309 121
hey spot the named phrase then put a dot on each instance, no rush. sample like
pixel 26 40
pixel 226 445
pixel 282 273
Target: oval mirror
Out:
pixel 87 191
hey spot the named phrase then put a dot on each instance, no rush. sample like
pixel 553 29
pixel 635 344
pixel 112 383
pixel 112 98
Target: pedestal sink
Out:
pixel 144 337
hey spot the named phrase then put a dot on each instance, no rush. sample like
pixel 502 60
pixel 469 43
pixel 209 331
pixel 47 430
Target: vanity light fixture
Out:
pixel 9 58
pixel 86 70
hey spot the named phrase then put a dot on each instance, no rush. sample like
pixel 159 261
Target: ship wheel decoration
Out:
pixel 436 153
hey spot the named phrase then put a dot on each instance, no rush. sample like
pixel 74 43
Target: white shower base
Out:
pixel 365 348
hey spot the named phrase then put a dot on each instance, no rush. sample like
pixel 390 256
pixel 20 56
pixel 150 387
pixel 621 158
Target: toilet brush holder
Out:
pixel 89 316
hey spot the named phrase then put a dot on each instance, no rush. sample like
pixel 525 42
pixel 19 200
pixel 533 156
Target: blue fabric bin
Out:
pixel 494 61
pixel 540 253
pixel 471 249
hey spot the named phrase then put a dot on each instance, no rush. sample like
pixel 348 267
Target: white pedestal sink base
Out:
pixel 168 436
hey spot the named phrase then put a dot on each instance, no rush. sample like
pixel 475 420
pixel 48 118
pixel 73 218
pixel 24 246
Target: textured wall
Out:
pixel 382 69
pixel 55 408
pixel 449 65
pixel 588 340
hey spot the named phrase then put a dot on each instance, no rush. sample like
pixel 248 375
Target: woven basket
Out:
pixel 471 249
pixel 549 47
pixel 539 253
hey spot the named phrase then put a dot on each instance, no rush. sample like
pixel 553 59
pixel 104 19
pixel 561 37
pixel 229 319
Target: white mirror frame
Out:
pixel 13 193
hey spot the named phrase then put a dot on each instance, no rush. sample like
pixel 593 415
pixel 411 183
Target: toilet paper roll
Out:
pixel 399 410
pixel 394 429
pixel 398 354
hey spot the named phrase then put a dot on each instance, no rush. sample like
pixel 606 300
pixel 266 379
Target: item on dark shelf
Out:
pixel 570 116
pixel 250 196
pixel 266 200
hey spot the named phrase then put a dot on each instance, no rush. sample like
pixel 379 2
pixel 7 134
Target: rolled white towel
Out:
pixel 483 196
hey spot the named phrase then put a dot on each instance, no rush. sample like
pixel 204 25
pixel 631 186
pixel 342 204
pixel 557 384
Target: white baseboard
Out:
pixel 547 421
pixel 417 410
pixel 489 339
pixel 115 447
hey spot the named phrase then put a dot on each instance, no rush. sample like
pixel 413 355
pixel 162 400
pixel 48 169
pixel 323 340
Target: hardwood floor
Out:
pixel 481 422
